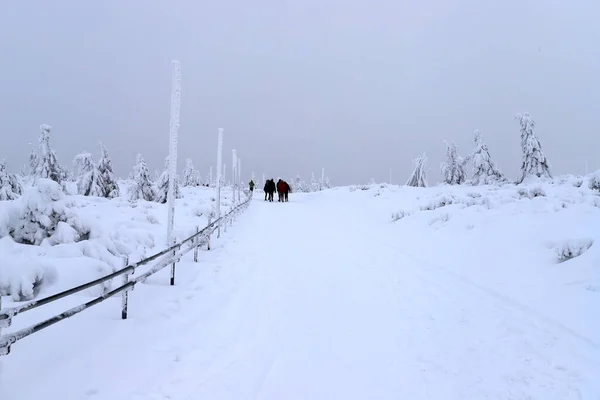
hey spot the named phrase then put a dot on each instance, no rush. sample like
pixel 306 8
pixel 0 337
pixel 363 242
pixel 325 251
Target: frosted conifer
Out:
pixel 418 178
pixel 162 186
pixel 485 171
pixel 47 166
pixel 90 183
pixel 534 163
pixel 141 187
pixel 453 169
pixel 34 160
pixel 110 187
pixel 10 187
pixel 191 177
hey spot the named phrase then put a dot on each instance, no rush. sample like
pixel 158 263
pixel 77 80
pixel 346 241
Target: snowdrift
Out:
pixel 51 241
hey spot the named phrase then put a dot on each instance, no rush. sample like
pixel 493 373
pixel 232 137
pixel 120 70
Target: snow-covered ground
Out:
pixel 381 293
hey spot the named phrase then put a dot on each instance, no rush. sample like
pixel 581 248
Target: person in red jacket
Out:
pixel 280 190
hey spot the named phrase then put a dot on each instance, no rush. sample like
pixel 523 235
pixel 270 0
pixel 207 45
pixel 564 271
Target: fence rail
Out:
pixel 173 255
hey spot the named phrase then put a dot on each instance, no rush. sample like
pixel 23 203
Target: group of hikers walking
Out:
pixel 282 187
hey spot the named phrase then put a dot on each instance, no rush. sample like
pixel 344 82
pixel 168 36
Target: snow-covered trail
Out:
pixel 309 300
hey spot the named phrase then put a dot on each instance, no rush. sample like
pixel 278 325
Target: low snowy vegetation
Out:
pixel 572 248
pixel 10 187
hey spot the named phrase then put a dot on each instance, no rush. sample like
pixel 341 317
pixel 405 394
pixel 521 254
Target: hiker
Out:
pixel 281 185
pixel 287 191
pixel 269 189
pixel 266 189
pixel 252 185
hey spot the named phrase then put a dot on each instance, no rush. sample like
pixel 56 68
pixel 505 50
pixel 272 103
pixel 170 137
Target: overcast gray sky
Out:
pixel 357 87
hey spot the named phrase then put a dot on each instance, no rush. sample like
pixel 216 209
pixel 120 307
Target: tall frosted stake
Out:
pixel 173 130
pixel 239 179
pixel 233 173
pixel 322 178
pixel 210 179
pixel 219 178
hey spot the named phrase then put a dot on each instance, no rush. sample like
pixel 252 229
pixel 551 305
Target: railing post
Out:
pixel 225 223
pixel 196 245
pixel 173 267
pixel 209 230
pixel 125 294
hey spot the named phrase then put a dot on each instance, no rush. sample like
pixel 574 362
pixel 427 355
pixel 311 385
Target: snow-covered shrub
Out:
pixel 90 182
pixel 162 186
pixel 534 164
pixel 398 215
pixel 110 188
pixel 453 169
pixel 10 187
pixel 594 182
pixel 418 178
pixel 443 217
pixel 35 218
pixel 572 248
pixel 438 202
pixel 485 171
pixel 46 164
pixel 142 187
pixel 531 192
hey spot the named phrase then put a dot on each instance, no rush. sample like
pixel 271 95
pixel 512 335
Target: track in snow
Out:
pixel 306 300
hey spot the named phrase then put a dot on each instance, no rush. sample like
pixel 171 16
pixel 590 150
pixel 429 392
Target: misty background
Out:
pixel 356 87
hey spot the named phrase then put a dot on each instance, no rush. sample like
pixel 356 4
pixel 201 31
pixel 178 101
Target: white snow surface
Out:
pixel 483 292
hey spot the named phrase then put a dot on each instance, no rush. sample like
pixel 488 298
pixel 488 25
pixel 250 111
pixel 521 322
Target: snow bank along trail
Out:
pixel 309 300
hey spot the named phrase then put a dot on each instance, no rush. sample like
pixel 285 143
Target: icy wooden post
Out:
pixel 234 172
pixel 322 178
pixel 125 294
pixel 173 266
pixel 208 237
pixel 219 178
pixel 174 126
pixel 196 244
pixel 239 171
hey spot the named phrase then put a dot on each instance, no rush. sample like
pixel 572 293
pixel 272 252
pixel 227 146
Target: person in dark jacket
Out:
pixel 252 185
pixel 280 190
pixel 287 191
pixel 270 188
pixel 266 189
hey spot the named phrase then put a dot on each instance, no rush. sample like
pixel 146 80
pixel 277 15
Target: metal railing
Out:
pixel 173 253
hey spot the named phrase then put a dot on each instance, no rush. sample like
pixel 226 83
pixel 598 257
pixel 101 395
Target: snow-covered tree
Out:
pixel 110 188
pixel 47 166
pixel 78 164
pixel 34 160
pixel 42 214
pixel 162 186
pixel 327 184
pixel 191 177
pixel 485 171
pixel 453 169
pixel 10 187
pixel 141 187
pixel 314 184
pixel 90 182
pixel 534 163
pixel 418 178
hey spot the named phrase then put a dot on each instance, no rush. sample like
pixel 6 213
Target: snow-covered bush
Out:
pixel 453 169
pixel 485 171
pixel 398 215
pixel 110 188
pixel 572 248
pixel 90 182
pixel 42 216
pixel 10 187
pixel 531 192
pixel 594 182
pixel 141 187
pixel 162 186
pixel 534 164
pixel 46 164
pixel 418 178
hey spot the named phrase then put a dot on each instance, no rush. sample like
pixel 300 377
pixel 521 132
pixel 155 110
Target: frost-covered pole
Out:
pixel 239 171
pixel 322 178
pixel 219 178
pixel 233 172
pixel 210 179
pixel 174 127
pixel 223 175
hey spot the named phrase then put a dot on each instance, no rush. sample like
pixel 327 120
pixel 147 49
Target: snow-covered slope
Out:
pixel 465 294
